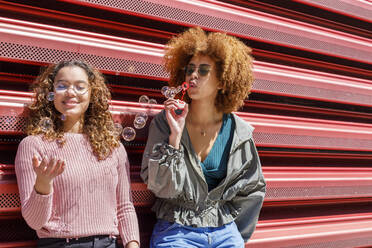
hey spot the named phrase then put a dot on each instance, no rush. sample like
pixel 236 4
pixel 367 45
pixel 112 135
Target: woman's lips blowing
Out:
pixel 192 83
pixel 70 103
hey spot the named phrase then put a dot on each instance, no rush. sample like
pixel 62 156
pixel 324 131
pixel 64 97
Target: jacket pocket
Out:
pixel 242 184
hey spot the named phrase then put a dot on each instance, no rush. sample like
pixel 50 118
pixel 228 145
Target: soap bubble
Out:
pixel 50 96
pixel 128 134
pixel 140 120
pixel 46 124
pixel 152 101
pixel 143 99
pixel 171 93
pixel 164 89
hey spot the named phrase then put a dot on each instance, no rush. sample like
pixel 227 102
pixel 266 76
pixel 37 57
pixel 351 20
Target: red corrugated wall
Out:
pixel 311 101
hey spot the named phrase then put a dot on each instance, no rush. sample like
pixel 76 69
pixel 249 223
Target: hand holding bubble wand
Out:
pixel 171 92
pixel 175 112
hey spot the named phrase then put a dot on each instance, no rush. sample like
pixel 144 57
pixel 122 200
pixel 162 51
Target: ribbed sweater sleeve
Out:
pixel 128 224
pixel 36 208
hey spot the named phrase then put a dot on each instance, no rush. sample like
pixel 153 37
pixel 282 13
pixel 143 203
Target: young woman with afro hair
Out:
pixel 200 159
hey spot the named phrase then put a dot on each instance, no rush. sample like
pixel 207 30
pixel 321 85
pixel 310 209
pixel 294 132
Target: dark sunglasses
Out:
pixel 203 69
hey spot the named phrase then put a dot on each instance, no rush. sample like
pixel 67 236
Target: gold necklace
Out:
pixel 202 131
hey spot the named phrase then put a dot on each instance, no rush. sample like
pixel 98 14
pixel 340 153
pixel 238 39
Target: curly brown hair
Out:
pixel 98 122
pixel 233 64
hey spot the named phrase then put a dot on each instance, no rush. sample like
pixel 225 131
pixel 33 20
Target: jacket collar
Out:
pixel 243 132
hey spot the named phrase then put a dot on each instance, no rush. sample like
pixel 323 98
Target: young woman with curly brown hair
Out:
pixel 73 177
pixel 202 164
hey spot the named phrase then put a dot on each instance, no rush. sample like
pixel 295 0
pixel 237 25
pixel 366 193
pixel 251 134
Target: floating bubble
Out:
pixel 63 117
pixel 174 91
pixel 46 124
pixel 140 120
pixel 128 134
pixel 167 94
pixel 164 90
pixel 171 93
pixel 143 99
pixel 139 123
pixel 142 115
pixel 50 96
pixel 118 129
pixel 152 101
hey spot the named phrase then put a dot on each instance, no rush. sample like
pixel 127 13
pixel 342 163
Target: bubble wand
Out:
pixel 185 87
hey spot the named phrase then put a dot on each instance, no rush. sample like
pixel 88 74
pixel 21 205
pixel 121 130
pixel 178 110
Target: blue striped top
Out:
pixel 215 164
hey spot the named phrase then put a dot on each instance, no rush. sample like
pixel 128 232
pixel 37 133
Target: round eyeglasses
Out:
pixel 79 88
pixel 203 69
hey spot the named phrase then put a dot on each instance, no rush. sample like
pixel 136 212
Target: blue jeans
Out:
pixel 167 234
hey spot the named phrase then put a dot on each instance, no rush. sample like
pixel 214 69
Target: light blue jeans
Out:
pixel 166 234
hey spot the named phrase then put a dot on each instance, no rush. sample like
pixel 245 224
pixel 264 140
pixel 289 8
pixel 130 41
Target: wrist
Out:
pixel 174 140
pixel 43 187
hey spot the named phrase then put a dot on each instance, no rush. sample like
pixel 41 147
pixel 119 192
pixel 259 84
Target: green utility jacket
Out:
pixel 176 178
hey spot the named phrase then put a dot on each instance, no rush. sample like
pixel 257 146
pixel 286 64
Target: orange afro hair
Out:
pixel 233 63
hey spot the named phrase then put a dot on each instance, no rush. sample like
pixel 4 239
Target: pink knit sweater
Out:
pixel 90 197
